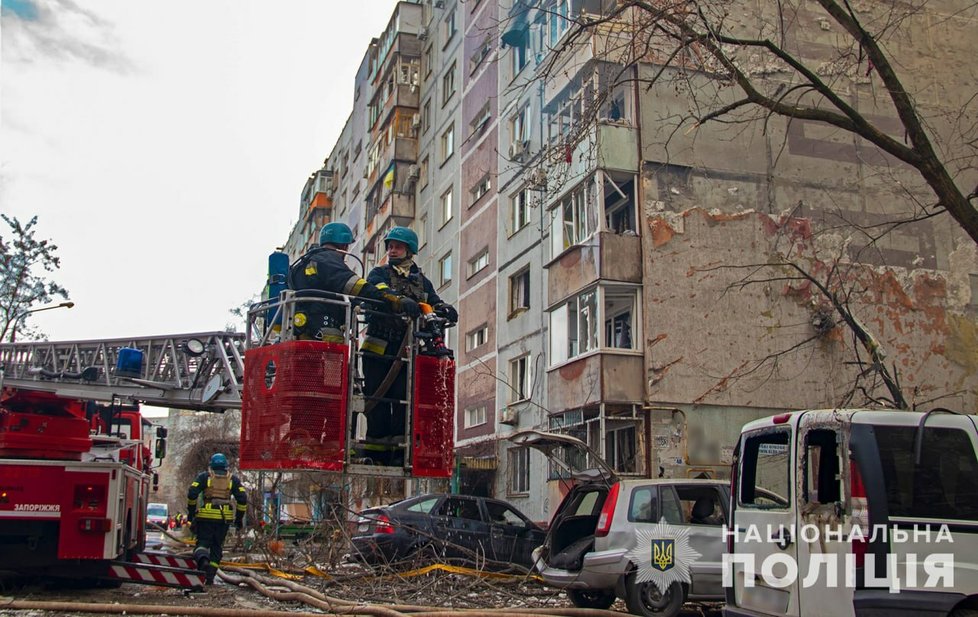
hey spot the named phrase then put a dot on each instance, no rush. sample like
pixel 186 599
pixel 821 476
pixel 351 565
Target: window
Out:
pixel 574 218
pixel 558 22
pixel 821 468
pixel 450 27
pixel 423 173
pixel 574 327
pixel 426 61
pixel 502 514
pixel 941 486
pixel 764 471
pixel 619 306
pixel 481 119
pixel 448 84
pixel 479 262
pixel 445 270
pixel 620 449
pixel 520 53
pixel 474 416
pixel 446 206
pixel 619 203
pixel 519 470
pixel 519 125
pixel 447 143
pixel 460 507
pixel 699 505
pixel 480 54
pixel 422 230
pixel 481 188
pixel 519 292
pixel 519 379
pixel 426 116
pixel 477 337
pixel 644 505
pixel 520 210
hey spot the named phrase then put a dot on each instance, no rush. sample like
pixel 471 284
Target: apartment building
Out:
pixel 599 254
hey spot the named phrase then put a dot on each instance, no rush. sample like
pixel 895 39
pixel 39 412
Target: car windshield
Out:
pixel 156 510
pixel 942 486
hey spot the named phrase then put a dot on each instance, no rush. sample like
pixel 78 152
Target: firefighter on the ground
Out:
pixel 323 269
pixel 215 500
pixel 385 375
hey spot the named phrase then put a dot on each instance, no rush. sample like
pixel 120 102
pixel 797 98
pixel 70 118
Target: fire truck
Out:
pixel 75 460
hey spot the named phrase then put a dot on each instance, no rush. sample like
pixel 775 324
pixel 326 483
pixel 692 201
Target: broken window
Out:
pixel 574 325
pixel 644 506
pixel 618 191
pixel 700 505
pixel 823 483
pixel 519 470
pixel 620 448
pixel 765 471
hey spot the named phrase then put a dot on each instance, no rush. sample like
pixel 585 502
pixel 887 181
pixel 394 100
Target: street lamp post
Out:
pixel 17 318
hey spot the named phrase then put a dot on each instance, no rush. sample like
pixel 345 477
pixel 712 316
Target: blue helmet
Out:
pixel 219 462
pixel 336 233
pixel 405 235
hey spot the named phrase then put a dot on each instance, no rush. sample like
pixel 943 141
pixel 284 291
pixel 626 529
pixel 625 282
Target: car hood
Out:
pixel 556 448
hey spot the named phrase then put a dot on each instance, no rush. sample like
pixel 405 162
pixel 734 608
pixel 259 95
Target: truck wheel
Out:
pixel 592 598
pixel 646 600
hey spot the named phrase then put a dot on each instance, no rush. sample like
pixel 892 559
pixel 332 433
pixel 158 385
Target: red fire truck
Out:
pixel 75 461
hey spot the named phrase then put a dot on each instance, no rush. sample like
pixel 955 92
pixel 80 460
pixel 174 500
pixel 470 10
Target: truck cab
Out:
pixel 854 512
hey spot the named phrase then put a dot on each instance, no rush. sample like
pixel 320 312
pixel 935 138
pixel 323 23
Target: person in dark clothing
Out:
pixel 385 338
pixel 215 500
pixel 324 269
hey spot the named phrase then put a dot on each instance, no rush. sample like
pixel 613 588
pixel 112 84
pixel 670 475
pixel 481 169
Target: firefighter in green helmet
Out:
pixel 216 500
pixel 386 421
pixel 324 269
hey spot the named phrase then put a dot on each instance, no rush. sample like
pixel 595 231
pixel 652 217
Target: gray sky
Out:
pixel 164 144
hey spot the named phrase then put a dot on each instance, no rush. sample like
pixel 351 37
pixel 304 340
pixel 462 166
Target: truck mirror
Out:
pixel 161 448
pixel 162 431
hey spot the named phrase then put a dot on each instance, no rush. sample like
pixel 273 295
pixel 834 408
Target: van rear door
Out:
pixel 764 516
pixel 922 495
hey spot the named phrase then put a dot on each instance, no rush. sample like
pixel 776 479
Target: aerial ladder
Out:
pixel 75 495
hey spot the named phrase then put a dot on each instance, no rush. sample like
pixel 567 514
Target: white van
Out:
pixel 816 489
pixel 158 513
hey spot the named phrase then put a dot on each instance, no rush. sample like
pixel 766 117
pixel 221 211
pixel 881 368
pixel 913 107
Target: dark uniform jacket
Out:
pixel 324 269
pixel 212 498
pixel 385 333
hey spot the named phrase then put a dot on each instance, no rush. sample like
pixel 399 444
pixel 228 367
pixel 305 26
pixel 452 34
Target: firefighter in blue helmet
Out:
pixel 323 269
pixel 385 338
pixel 215 500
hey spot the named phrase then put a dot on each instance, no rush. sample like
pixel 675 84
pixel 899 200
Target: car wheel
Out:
pixel 646 599
pixel 592 598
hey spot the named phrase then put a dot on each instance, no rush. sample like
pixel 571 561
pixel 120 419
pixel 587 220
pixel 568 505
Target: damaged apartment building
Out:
pixel 642 282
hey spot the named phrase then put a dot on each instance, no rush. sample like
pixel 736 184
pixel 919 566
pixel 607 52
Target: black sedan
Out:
pixel 451 528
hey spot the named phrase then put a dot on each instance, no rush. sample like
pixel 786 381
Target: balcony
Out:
pixel 605 255
pixel 603 376
pixel 396 206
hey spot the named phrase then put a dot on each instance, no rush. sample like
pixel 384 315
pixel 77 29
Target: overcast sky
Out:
pixel 163 145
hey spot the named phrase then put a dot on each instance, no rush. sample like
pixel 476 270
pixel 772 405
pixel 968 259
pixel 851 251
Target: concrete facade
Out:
pixel 625 278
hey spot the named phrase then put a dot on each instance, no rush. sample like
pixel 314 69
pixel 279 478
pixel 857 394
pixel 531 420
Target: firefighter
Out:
pixel 384 342
pixel 222 501
pixel 323 268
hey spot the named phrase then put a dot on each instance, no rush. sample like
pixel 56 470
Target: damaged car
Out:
pixel 447 528
pixel 588 550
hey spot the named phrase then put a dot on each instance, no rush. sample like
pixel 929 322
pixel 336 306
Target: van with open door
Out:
pixel 875 511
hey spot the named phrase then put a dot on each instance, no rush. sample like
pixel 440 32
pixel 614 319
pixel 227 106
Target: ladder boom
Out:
pixel 201 371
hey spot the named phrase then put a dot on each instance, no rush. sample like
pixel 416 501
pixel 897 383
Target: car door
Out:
pixel 704 510
pixel 460 524
pixel 512 535
pixel 764 518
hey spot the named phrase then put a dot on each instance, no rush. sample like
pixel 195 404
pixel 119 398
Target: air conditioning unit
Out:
pixel 511 416
pixel 414 172
pixel 422 33
pixel 516 150
pixel 416 121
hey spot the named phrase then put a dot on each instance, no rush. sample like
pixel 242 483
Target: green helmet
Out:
pixel 219 462
pixel 405 235
pixel 336 233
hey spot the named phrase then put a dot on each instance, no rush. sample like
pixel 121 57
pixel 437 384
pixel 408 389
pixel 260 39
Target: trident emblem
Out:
pixel 662 554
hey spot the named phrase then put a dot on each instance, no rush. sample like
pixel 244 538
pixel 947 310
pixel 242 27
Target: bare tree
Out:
pixel 738 70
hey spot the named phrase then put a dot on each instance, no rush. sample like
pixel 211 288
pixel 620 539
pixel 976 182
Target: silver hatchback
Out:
pixel 604 527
